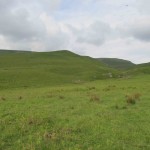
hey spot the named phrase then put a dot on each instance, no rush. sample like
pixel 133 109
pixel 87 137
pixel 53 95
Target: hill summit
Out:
pixel 26 69
pixel 117 63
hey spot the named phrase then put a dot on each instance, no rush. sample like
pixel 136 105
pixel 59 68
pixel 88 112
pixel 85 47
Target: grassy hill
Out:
pixel 117 63
pixel 140 69
pixel 144 65
pixel 25 69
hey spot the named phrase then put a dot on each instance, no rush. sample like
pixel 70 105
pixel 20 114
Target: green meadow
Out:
pixel 63 101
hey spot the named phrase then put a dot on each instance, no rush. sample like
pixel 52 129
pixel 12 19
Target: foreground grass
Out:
pixel 88 116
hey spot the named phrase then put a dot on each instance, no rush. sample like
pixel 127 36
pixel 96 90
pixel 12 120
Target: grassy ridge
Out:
pixel 140 69
pixel 48 68
pixel 23 69
pixel 117 63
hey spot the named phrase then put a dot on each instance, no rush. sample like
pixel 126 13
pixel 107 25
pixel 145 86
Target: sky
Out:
pixel 96 28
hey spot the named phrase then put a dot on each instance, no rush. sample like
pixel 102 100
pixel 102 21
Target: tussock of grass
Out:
pixel 20 97
pixel 92 88
pixel 50 135
pixel 61 97
pixel 94 98
pixel 133 98
pixel 3 98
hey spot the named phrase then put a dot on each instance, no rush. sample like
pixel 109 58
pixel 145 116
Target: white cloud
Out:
pixel 143 6
pixel 96 33
pixel 97 28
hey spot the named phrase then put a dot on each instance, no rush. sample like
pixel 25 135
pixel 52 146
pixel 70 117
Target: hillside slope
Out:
pixel 36 69
pixel 117 63
pixel 140 69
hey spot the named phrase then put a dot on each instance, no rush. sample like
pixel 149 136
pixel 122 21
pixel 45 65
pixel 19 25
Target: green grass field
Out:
pixel 68 117
pixel 42 108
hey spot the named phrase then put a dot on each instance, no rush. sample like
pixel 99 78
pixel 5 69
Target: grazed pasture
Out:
pixel 84 116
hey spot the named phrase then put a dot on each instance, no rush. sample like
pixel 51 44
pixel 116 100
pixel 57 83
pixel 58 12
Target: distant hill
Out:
pixel 117 63
pixel 144 65
pixel 140 69
pixel 29 69
pixel 3 51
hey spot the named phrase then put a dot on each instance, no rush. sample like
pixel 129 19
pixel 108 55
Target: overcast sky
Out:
pixel 97 28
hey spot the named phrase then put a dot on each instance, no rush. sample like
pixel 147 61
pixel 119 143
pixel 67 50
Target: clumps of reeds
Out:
pixel 120 107
pixel 72 107
pixel 106 89
pixel 131 87
pixel 61 97
pixel 20 97
pixel 92 88
pixel 34 121
pixel 133 98
pixel 116 106
pixel 2 98
pixel 124 107
pixel 112 86
pixel 109 87
pixel 59 133
pixel 94 98
pixel 50 135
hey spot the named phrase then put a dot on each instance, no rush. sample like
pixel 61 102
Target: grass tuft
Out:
pixel 61 97
pixel 92 88
pixel 117 107
pixel 132 99
pixel 20 97
pixel 50 135
pixel 3 98
pixel 94 98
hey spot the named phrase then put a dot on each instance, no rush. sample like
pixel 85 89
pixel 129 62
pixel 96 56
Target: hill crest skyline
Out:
pixel 74 52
